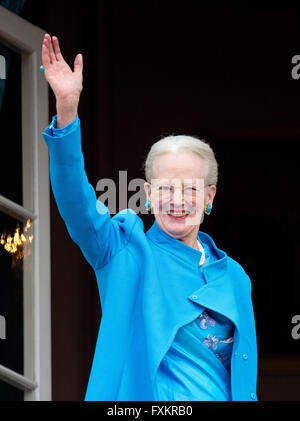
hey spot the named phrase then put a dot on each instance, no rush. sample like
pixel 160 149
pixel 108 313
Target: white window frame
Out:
pixel 26 39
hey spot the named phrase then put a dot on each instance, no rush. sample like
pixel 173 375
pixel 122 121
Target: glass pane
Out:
pixel 15 246
pixel 10 393
pixel 10 125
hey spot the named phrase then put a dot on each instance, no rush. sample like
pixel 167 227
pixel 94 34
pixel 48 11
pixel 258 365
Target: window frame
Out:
pixel 26 39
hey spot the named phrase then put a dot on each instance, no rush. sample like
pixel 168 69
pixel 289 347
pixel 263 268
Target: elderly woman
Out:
pixel 177 318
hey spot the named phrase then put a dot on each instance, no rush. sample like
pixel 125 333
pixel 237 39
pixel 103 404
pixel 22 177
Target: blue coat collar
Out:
pixel 189 254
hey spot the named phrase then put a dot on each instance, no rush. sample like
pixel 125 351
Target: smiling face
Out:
pixel 178 194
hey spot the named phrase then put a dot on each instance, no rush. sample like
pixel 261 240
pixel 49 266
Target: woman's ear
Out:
pixel 147 188
pixel 211 194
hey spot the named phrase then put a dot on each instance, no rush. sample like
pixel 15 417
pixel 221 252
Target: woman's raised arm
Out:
pixel 88 221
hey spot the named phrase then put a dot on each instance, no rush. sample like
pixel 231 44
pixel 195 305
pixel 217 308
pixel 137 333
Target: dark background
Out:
pixel 220 74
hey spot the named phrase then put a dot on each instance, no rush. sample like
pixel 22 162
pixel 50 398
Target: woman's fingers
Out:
pixel 57 49
pixel 52 45
pixel 47 42
pixel 45 54
pixel 51 50
pixel 78 63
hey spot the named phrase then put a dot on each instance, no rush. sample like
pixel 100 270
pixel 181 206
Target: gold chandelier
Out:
pixel 14 244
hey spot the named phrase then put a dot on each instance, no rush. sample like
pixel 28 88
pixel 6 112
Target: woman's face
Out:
pixel 178 194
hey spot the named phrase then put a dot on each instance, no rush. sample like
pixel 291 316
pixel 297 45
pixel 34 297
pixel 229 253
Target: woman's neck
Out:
pixel 191 242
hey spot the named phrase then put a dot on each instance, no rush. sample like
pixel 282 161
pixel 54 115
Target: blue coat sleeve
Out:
pixel 87 219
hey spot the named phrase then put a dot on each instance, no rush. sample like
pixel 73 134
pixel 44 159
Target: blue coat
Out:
pixel 150 285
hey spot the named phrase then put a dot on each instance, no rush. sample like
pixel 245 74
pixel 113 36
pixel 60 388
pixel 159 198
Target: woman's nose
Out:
pixel 178 196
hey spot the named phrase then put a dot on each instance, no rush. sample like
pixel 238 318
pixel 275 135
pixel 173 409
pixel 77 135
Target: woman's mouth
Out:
pixel 178 215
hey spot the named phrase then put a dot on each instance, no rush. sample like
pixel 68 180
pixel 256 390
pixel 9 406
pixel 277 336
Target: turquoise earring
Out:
pixel 148 204
pixel 208 208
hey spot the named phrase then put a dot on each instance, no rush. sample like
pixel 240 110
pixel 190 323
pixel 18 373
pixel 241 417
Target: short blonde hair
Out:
pixel 178 143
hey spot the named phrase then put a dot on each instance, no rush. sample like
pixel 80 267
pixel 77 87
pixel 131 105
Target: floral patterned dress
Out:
pixel 217 335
